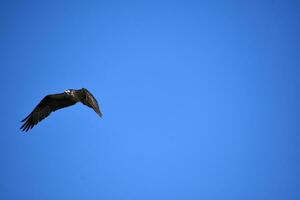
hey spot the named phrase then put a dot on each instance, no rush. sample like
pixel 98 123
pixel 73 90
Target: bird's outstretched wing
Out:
pixel 91 101
pixel 48 104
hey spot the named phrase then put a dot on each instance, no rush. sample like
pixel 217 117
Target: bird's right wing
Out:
pixel 91 102
pixel 48 104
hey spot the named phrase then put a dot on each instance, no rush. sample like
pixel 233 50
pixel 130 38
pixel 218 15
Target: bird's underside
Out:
pixel 53 102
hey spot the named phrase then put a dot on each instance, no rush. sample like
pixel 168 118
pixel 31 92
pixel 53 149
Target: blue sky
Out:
pixel 200 100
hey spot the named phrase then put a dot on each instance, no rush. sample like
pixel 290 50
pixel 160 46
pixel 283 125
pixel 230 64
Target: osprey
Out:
pixel 53 102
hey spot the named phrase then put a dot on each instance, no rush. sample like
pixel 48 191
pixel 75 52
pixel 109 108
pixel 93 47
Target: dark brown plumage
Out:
pixel 51 103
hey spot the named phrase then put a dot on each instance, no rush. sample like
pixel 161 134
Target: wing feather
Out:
pixel 48 104
pixel 91 101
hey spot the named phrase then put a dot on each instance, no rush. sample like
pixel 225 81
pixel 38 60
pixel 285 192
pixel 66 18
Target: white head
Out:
pixel 68 92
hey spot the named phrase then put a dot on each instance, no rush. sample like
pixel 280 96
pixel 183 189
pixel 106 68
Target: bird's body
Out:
pixel 53 102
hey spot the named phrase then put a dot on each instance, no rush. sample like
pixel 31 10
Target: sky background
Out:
pixel 200 100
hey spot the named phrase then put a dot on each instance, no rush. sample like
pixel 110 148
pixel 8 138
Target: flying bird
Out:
pixel 53 102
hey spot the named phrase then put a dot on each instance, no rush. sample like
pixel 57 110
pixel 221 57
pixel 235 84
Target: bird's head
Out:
pixel 68 92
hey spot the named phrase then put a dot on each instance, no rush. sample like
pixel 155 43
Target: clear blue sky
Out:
pixel 200 100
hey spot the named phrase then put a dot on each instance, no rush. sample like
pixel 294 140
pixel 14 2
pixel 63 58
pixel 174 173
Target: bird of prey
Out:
pixel 53 102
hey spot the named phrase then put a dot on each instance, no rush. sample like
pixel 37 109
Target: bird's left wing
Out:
pixel 48 104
